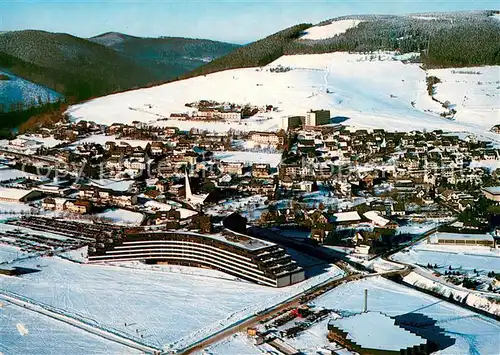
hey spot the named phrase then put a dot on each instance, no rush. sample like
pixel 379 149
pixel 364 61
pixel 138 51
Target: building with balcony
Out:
pixel 236 254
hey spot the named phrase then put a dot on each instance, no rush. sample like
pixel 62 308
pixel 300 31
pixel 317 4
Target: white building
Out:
pixel 317 117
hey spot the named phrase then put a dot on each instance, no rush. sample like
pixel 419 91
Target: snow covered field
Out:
pixel 122 217
pixel 473 92
pixel 355 86
pixel 237 344
pixel 169 309
pixel 13 209
pixel 9 253
pixel 249 207
pixel 330 30
pixel 46 336
pixel 416 228
pixel 7 173
pixel 466 258
pixel 473 334
pixel 491 165
pixel 249 158
pixel 48 142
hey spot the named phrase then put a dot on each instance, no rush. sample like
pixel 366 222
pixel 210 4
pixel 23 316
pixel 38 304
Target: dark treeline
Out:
pixel 455 39
pixel 443 40
pixel 9 120
pixel 77 68
pixel 256 54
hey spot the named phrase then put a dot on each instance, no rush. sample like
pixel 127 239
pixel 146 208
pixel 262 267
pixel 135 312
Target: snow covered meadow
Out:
pixel 330 30
pixel 186 307
pixel 116 185
pixel 26 332
pixel 356 87
pixel 7 174
pixel 9 253
pixel 464 258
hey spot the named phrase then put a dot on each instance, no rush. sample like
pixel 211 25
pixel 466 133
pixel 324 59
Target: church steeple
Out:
pixel 189 194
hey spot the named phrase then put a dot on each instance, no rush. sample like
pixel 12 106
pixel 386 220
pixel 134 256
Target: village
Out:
pixel 384 202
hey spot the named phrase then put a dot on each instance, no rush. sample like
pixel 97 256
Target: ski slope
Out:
pixel 365 90
pixel 474 92
pixel 330 30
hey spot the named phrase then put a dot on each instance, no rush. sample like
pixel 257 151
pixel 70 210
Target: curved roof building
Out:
pixel 236 254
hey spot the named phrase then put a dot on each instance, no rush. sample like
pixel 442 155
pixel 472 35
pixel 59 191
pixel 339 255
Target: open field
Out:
pixel 29 333
pixel 187 307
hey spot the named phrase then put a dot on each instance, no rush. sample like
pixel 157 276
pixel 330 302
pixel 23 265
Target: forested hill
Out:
pixel 80 68
pixel 255 54
pixel 442 39
pixel 69 65
pixel 166 57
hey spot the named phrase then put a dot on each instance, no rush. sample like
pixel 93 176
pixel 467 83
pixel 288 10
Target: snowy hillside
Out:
pixel 371 90
pixel 327 31
pixel 473 92
pixel 17 90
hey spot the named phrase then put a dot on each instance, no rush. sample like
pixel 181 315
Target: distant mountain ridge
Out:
pixel 178 54
pixel 109 39
pixel 84 68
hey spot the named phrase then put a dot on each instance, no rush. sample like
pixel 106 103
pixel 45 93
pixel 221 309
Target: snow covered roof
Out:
pixel 13 194
pixel 242 241
pixel 346 216
pixel 457 236
pixel 375 217
pixel 160 206
pixel 374 330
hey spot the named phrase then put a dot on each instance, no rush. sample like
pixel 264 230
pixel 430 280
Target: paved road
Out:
pixel 294 302
pixel 253 321
pixel 298 300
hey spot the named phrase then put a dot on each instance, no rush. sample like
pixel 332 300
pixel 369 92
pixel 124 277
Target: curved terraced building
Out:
pixel 236 254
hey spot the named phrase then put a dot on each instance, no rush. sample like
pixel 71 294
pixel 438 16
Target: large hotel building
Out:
pixel 236 254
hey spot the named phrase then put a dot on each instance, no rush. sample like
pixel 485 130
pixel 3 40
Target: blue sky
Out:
pixel 239 21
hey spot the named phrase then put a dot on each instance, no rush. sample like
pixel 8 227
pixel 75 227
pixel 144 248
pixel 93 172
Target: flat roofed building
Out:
pixel 492 193
pixel 376 218
pixel 18 195
pixel 267 138
pixel 317 118
pixel 292 122
pixel 346 217
pixel 462 239
pixel 237 254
